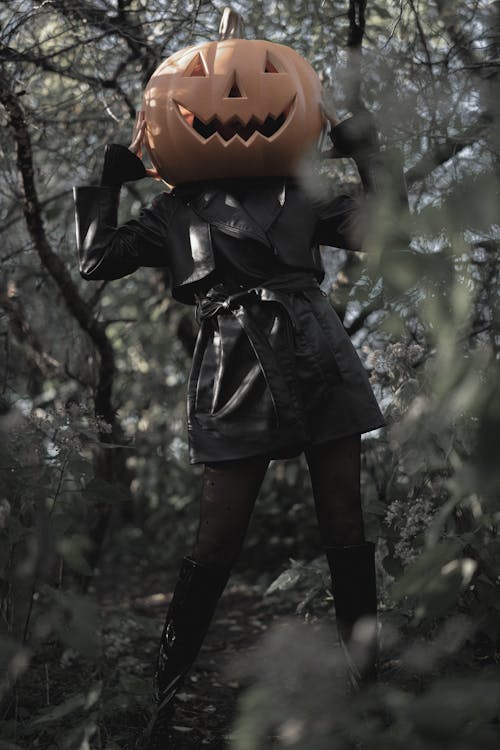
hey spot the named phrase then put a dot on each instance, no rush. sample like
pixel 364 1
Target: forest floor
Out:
pixel 104 702
pixel 206 705
pixel 102 699
pixel 134 606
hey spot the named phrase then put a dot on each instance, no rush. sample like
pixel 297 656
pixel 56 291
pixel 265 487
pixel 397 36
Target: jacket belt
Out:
pixel 218 301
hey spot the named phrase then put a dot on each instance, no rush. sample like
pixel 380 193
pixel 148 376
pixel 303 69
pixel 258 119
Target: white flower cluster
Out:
pixel 410 518
pixel 395 356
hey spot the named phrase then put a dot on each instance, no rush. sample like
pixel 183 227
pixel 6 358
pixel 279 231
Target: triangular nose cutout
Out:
pixel 234 90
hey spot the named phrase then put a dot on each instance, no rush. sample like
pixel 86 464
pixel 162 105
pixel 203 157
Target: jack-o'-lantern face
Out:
pixel 232 108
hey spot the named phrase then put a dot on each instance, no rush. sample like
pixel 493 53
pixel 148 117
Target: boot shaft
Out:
pixel 353 580
pixel 354 591
pixel 190 612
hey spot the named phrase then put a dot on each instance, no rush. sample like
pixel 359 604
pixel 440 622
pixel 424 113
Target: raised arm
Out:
pixel 343 221
pixel 108 251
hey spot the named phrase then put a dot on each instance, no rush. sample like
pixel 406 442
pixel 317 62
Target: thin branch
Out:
pixel 356 15
pixel 111 465
pixel 194 19
pixel 422 37
pixel 358 323
pixel 457 32
pixel 15 219
pixel 40 360
pixel 51 261
pixel 121 25
pixel 12 55
pixel 447 149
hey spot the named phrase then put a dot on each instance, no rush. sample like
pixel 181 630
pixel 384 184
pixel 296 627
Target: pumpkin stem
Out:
pixel 231 25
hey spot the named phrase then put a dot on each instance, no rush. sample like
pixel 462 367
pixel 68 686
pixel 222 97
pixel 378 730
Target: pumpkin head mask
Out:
pixel 231 108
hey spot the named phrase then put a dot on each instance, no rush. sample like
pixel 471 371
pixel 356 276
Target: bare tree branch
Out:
pixel 358 323
pixel 59 273
pixel 447 149
pixel 458 33
pixel 110 464
pixel 356 15
pixel 42 364
pixel 15 219
pixel 121 25
pixel 12 55
pixel 422 36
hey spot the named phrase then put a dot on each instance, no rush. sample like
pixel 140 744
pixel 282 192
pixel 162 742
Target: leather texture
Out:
pixel 121 165
pixel 175 231
pixel 188 618
pixel 273 369
pixel 357 136
pixel 354 590
pixel 193 604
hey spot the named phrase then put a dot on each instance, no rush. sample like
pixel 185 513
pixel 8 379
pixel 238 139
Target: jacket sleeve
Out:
pixel 108 251
pixel 340 223
pixel 343 222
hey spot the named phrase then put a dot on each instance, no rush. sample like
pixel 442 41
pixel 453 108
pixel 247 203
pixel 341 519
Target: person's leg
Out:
pixel 228 496
pixel 335 477
pixel 335 469
pixel 227 500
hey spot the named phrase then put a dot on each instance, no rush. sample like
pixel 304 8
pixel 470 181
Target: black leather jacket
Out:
pixel 176 230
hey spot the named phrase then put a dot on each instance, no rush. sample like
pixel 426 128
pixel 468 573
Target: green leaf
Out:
pixel 69 706
pixel 436 579
pixel 14 661
pixel 392 566
pixel 77 702
pixel 287 580
pixel 75 619
pixel 424 569
pixel 449 704
pixel 81 469
pixel 72 549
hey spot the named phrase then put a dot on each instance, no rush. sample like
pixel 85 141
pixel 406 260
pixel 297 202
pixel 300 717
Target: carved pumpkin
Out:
pixel 231 108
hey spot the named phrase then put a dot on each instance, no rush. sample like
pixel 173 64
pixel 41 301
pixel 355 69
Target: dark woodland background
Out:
pixel 93 454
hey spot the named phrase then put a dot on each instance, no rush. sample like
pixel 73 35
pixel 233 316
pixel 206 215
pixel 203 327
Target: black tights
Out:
pixel 231 488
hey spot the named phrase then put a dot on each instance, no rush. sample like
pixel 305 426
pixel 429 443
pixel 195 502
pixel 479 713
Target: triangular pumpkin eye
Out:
pixel 196 68
pixel 270 67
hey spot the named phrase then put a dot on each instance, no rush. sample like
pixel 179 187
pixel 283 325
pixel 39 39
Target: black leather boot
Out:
pixel 195 598
pixel 355 596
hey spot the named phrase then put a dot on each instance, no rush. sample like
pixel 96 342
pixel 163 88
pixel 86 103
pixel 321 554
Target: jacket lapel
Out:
pixel 265 205
pixel 250 216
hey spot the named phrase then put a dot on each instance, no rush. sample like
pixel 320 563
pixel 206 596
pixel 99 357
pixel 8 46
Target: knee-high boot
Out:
pixel 195 598
pixel 355 596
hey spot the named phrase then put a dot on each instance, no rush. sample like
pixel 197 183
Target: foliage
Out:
pixel 425 320
pixel 302 702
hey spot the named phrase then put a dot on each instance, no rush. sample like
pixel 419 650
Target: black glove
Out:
pixel 356 137
pixel 121 165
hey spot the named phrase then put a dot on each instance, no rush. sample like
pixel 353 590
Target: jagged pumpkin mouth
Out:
pixel 268 127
